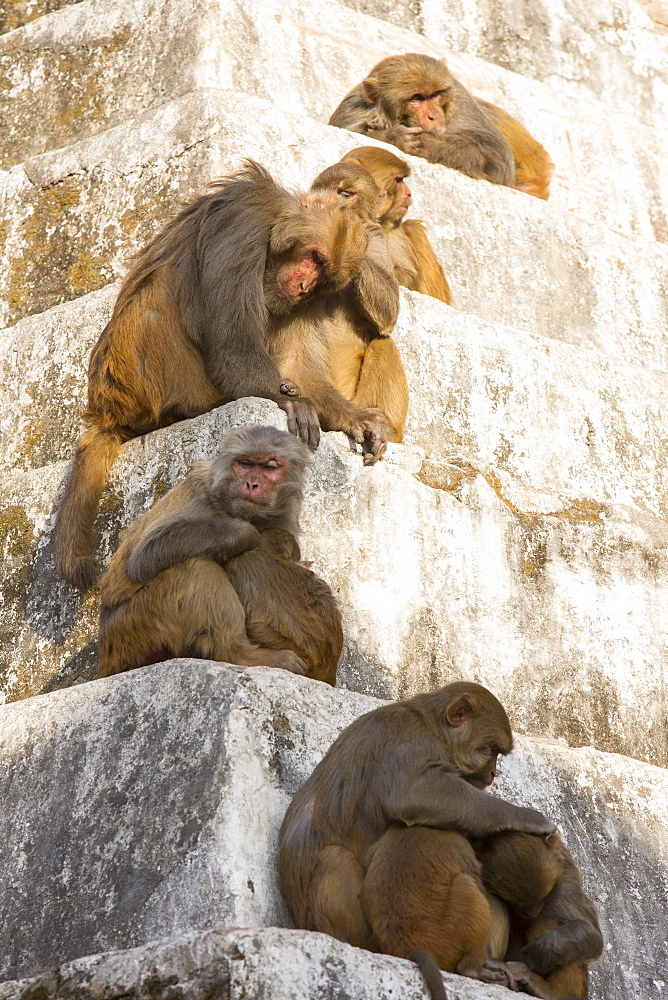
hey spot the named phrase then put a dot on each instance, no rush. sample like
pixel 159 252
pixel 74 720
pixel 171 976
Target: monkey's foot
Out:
pixel 530 982
pixel 495 971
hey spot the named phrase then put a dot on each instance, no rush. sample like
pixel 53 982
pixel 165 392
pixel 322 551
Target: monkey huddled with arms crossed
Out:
pixel 377 849
pixel 212 569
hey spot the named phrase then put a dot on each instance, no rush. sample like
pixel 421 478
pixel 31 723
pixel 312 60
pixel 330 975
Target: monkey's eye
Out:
pixel 497 751
pixel 273 463
pixel 416 98
pixel 345 193
pixel 317 258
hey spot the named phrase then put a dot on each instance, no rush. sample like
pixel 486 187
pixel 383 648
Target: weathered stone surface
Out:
pixel 149 803
pixel 609 51
pixel 442 570
pixel 237 964
pixel 100 62
pixel 16 13
pixel 72 218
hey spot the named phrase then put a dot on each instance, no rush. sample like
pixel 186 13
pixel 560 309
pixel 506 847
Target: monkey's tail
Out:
pixel 428 966
pixel 72 537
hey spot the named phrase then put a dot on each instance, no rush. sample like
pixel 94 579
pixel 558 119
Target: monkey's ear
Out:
pixel 552 839
pixel 459 712
pixel 370 89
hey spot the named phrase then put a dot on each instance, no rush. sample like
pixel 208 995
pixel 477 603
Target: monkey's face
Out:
pixel 293 278
pixel 257 482
pixel 401 199
pixel 485 776
pixel 425 110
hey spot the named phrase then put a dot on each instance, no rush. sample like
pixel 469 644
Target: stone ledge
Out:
pixel 237 964
pixel 148 804
pixel 441 571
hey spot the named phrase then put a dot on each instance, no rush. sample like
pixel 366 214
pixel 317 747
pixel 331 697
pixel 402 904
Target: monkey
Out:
pixel 304 617
pixel 414 102
pixel 166 592
pixel 203 317
pixel 553 930
pixel 362 359
pixel 533 166
pixel 415 264
pixel 422 762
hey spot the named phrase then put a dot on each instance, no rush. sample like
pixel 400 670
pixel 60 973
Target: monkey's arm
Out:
pixel 574 941
pixel 173 539
pixel 426 793
pixel 376 287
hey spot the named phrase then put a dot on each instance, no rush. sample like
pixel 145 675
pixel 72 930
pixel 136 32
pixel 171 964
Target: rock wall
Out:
pixel 518 538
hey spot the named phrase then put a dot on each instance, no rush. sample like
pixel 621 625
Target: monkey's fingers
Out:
pixel 302 420
pixel 496 971
pixel 289 388
pixel 530 983
pixel 531 821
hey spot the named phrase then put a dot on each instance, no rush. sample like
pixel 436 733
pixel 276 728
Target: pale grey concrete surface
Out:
pixel 442 571
pixel 149 803
pixel 98 63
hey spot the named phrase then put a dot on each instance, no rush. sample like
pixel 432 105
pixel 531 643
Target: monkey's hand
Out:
pixel 495 971
pixel 372 433
pixel 239 536
pixel 289 388
pixel 407 138
pixel 286 659
pixel 528 982
pixel 531 821
pixel 302 419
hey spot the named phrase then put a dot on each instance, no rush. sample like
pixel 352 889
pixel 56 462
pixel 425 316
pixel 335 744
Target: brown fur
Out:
pixel 166 592
pixel 286 605
pixel 445 126
pixel 197 323
pixel 533 166
pixel 363 361
pixel 416 763
pixel 553 931
pixel 415 264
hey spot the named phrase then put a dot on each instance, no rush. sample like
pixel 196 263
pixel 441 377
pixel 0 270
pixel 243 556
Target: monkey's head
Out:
pixel 389 173
pixel 410 90
pixel 315 250
pixel 349 186
pixel 259 475
pixel 521 868
pixel 476 729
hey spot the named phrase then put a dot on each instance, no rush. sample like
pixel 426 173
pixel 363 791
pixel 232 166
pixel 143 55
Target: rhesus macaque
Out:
pixel 205 316
pixel 415 263
pixel 553 931
pixel 423 762
pixel 362 360
pixel 414 102
pixel 167 592
pixel 533 166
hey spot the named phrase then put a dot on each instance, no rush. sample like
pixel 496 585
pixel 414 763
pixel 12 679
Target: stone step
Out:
pixel 73 216
pixel 94 64
pixel 611 53
pixel 238 964
pixel 549 414
pixel 148 804
pixel 441 570
pixel 16 13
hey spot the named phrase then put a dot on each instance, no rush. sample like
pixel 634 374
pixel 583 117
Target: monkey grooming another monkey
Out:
pixel 202 318
pixel 362 359
pixel 167 591
pixel 376 840
pixel 414 102
pixel 552 930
